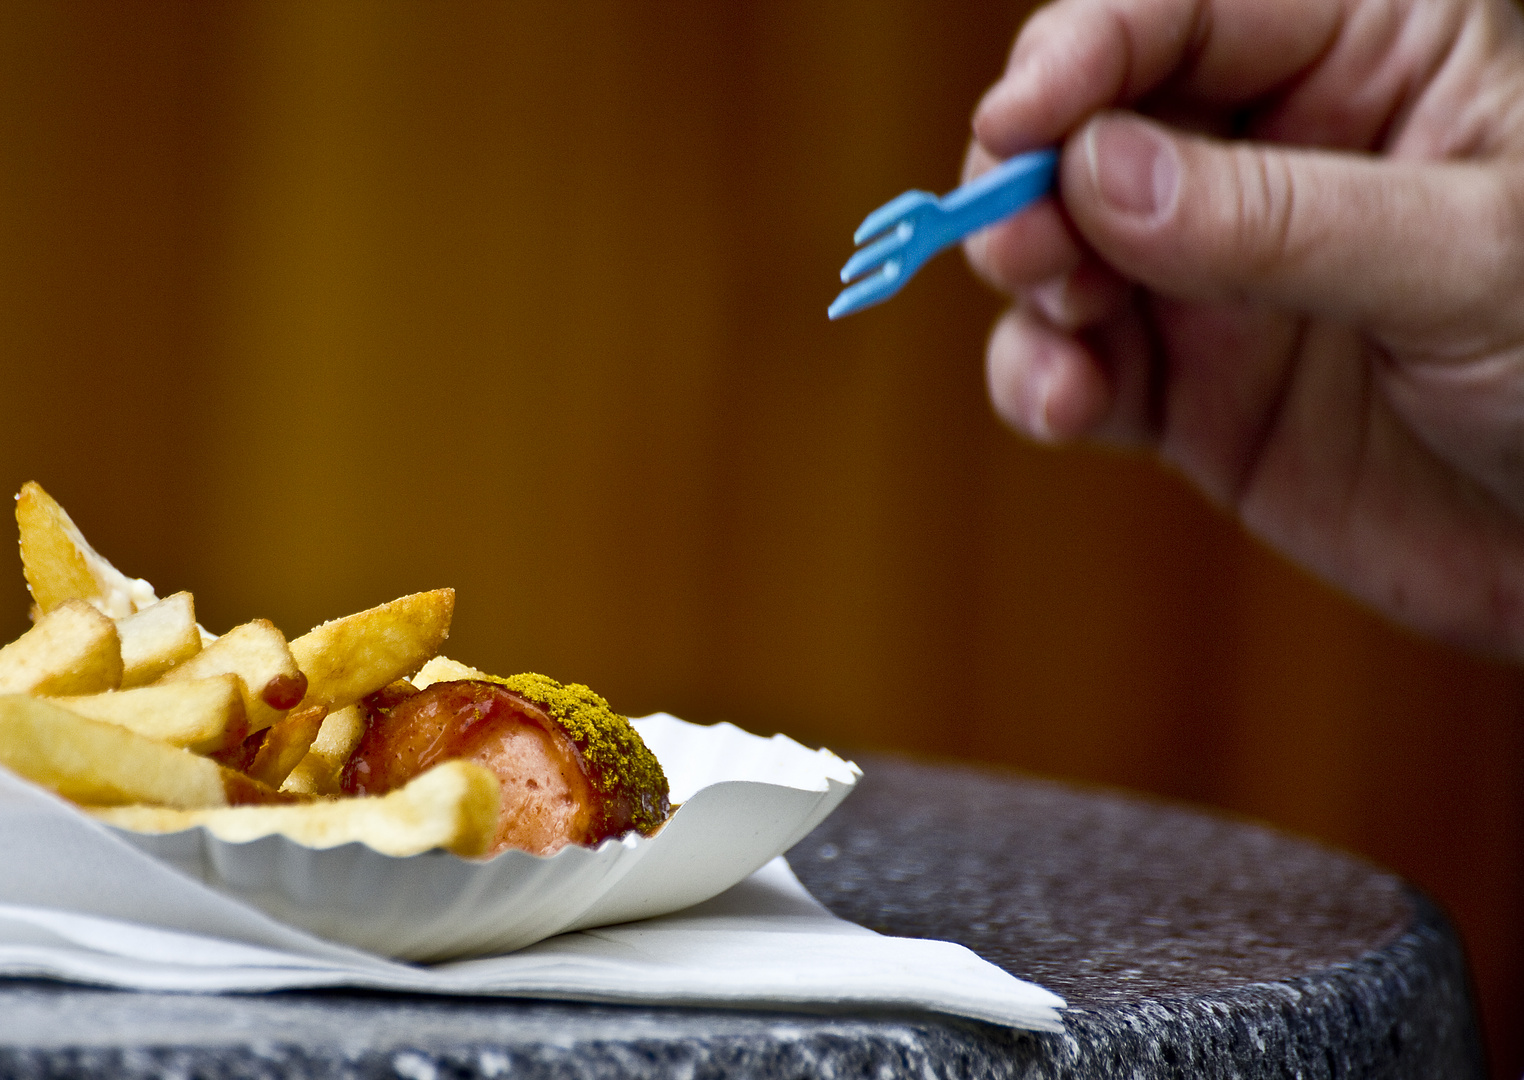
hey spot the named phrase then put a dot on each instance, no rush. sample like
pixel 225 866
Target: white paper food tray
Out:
pixel 744 799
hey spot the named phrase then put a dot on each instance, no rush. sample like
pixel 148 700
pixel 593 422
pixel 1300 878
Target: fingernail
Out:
pixel 987 119
pixel 1134 168
pixel 986 103
pixel 1039 426
pixel 986 126
pixel 1051 298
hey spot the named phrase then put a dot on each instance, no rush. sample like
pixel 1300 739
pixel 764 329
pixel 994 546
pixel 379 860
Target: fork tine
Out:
pixel 888 215
pixel 870 257
pixel 873 289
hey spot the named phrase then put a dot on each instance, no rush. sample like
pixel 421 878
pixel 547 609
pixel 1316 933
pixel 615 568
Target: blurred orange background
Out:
pixel 307 305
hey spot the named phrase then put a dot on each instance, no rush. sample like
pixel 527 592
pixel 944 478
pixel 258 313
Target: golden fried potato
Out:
pixel 60 564
pixel 285 744
pixel 201 715
pixel 443 669
pixel 73 649
pixel 158 638
pixel 257 653
pixel 348 658
pixel 453 806
pixel 91 761
pixel 318 772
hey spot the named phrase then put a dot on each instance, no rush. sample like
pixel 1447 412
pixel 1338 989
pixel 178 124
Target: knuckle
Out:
pixel 1263 207
pixel 1481 254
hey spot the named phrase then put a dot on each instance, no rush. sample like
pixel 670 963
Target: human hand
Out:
pixel 1294 267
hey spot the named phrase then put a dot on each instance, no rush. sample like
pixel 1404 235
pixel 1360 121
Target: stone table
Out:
pixel 1188 944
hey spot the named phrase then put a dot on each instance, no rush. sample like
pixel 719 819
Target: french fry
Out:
pixel 318 771
pixel 257 653
pixel 60 564
pixel 452 806
pixel 201 715
pixel 91 761
pixel 158 638
pixel 73 649
pixel 443 669
pixel 285 744
pixel 348 658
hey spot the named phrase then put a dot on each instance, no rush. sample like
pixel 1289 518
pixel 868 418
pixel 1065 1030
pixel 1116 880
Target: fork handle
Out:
pixel 999 193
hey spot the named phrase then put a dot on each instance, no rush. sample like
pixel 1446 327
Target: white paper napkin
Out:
pixel 79 904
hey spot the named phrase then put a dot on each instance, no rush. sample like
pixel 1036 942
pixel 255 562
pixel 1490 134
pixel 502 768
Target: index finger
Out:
pixel 1075 57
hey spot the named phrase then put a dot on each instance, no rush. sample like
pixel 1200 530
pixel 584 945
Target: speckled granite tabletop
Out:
pixel 1187 944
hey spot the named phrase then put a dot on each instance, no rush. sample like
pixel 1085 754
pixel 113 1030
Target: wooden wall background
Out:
pixel 306 305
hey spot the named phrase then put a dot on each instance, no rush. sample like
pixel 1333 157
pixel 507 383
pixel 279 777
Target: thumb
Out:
pixel 1410 248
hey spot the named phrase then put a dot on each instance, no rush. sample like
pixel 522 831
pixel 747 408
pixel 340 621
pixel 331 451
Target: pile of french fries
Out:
pixel 122 703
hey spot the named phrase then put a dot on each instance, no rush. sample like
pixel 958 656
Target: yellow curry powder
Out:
pixel 609 744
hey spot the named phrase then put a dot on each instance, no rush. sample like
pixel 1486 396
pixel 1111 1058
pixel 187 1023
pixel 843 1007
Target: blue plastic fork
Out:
pixel 907 231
